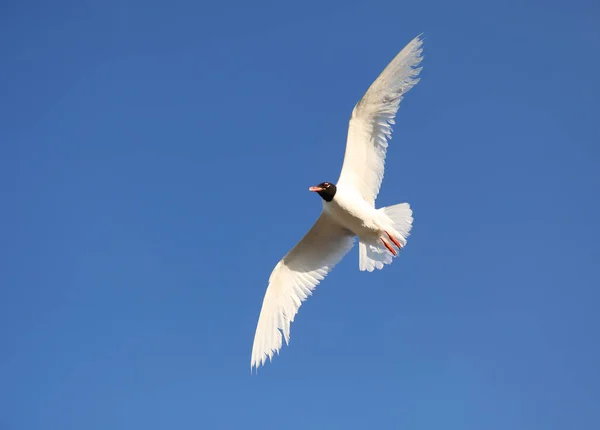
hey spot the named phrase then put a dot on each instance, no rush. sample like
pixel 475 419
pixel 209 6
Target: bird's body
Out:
pixel 348 209
pixel 351 211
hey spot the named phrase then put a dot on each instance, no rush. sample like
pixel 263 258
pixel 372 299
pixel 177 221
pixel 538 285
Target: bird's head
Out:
pixel 325 189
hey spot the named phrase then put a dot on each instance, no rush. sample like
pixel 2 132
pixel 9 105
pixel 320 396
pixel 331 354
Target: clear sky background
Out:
pixel 154 165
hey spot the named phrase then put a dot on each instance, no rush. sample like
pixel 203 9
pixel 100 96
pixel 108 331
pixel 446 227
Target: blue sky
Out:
pixel 154 165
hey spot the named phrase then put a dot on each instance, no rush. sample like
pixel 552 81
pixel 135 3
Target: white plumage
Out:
pixel 293 280
pixel 372 119
pixel 348 209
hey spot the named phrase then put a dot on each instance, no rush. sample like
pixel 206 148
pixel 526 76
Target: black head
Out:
pixel 326 190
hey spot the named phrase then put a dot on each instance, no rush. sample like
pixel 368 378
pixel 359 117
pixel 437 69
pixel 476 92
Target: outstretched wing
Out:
pixel 372 119
pixel 293 280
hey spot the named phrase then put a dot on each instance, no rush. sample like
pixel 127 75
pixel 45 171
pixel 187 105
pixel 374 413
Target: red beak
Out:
pixel 315 189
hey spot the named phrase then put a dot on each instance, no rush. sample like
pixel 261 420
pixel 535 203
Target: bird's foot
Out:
pixel 387 245
pixel 393 239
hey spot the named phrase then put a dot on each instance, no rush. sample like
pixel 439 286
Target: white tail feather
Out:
pixel 375 255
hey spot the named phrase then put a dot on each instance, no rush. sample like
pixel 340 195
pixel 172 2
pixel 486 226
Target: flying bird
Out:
pixel 348 209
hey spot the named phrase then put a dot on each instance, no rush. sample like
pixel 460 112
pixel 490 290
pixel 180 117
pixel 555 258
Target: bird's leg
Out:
pixel 393 239
pixel 387 245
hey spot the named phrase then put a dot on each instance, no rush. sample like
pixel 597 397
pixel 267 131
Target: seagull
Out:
pixel 348 209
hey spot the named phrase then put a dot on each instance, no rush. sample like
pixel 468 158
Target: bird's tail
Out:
pixel 375 255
